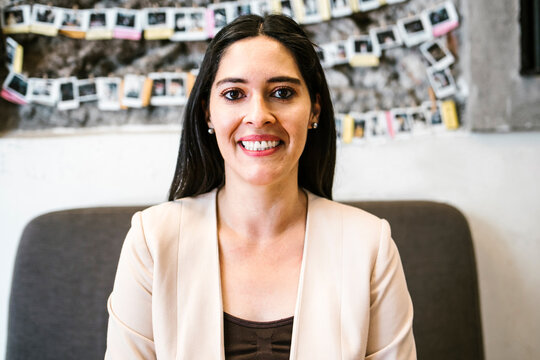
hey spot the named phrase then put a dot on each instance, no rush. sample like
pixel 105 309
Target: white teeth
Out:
pixel 259 145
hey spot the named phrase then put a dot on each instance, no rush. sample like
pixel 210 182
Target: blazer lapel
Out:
pixel 200 306
pixel 317 321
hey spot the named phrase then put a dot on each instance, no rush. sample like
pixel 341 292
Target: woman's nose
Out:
pixel 258 112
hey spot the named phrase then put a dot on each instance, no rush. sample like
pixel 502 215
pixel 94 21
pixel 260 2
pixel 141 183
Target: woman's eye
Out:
pixel 283 93
pixel 232 95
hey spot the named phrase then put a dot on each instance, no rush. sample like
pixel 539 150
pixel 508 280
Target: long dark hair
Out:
pixel 200 166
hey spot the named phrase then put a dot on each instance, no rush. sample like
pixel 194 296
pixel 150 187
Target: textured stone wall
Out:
pixel 399 81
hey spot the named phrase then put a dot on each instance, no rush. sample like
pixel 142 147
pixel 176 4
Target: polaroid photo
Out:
pixel 414 30
pixel 433 114
pixel 418 120
pixel 367 5
pixel 334 53
pixel 109 90
pixel 387 37
pixel 244 8
pixel 127 24
pixel 283 7
pixel 359 128
pixel 340 8
pixel 311 11
pixel 14 55
pixel 169 88
pixel 74 23
pixel 15 88
pixel 42 91
pixel 158 23
pixel 16 19
pixel 220 15
pixel 87 90
pixel 443 18
pixel 377 127
pixel 436 54
pixel 46 20
pixel 442 82
pixel 100 24
pixel 136 92
pixel 68 93
pixel 262 7
pixel 401 122
pixel 189 24
pixel 364 51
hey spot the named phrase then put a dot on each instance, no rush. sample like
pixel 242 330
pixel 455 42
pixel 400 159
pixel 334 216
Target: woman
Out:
pixel 251 259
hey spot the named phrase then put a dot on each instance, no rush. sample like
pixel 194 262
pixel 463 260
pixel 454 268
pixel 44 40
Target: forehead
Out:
pixel 259 56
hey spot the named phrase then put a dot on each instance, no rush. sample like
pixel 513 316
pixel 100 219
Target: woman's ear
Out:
pixel 315 111
pixel 206 114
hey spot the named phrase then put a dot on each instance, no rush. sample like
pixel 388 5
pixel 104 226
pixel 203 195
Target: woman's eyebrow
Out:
pixel 231 80
pixel 285 79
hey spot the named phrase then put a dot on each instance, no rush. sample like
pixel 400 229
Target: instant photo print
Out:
pixel 414 30
pixel 16 19
pixel 14 55
pixel 127 24
pixel 220 14
pixel 157 23
pixel 340 8
pixel 311 11
pixel 68 93
pixel 87 90
pixel 377 124
pixel 359 128
pixel 401 122
pixel 443 18
pixel 169 89
pixel 347 129
pixel 109 90
pixel 441 81
pixel 46 20
pixel 136 92
pixel 367 5
pixel 74 23
pixel 15 88
pixel 436 54
pixel 387 37
pixel 418 120
pixel 335 53
pixel 284 7
pixel 432 111
pixel 364 51
pixel 42 91
pixel 100 24
pixel 189 24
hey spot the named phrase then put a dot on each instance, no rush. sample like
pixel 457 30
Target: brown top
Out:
pixel 253 340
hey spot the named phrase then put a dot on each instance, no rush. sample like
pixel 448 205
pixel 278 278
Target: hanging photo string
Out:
pixel 191 24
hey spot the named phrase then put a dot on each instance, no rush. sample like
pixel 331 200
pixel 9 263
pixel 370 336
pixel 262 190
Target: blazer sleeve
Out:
pixel 391 310
pixel 130 333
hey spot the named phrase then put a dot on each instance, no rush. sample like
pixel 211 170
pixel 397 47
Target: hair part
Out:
pixel 200 166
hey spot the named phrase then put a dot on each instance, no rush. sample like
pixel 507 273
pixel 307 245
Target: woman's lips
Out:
pixel 260 145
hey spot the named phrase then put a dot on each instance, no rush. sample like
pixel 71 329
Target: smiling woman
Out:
pixel 250 258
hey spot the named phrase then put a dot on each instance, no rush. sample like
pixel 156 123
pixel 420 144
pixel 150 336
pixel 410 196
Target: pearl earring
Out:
pixel 211 131
pixel 314 125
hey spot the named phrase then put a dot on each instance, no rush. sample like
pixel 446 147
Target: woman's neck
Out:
pixel 260 214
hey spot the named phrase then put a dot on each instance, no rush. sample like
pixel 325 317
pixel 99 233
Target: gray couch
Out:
pixel 66 263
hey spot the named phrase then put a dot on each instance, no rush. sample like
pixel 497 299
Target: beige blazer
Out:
pixel 352 300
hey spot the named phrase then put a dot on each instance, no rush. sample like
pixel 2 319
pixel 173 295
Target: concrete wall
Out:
pixel 500 98
pixel 493 179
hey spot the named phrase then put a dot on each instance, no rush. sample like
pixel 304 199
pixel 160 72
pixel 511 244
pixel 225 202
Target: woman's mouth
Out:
pixel 259 145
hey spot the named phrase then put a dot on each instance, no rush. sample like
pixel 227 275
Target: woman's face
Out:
pixel 261 111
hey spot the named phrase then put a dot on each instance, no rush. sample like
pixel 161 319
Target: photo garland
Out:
pixel 194 24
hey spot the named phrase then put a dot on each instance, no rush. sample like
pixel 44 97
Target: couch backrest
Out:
pixel 66 263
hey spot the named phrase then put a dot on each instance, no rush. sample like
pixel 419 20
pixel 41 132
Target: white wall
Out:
pixel 493 179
